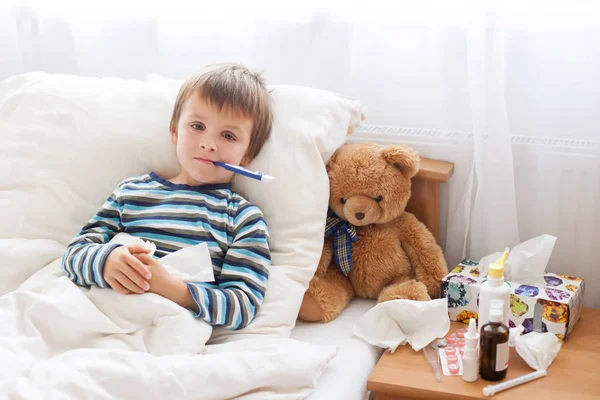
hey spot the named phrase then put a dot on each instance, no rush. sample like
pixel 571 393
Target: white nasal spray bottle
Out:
pixel 494 288
pixel 471 357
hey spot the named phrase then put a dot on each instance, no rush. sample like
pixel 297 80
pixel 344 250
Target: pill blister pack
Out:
pixel 451 362
pixel 451 355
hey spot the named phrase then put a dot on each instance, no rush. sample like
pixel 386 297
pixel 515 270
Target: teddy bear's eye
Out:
pixel 378 198
pixel 343 200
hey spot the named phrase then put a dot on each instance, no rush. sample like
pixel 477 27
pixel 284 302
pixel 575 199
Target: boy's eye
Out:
pixel 198 127
pixel 228 136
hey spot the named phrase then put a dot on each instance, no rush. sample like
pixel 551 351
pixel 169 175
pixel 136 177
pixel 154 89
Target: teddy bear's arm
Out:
pixel 425 254
pixel 326 257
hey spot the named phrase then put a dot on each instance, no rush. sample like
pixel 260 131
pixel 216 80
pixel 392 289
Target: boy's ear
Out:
pixel 245 161
pixel 173 130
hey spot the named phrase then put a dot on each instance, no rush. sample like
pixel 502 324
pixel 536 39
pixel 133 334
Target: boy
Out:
pixel 224 114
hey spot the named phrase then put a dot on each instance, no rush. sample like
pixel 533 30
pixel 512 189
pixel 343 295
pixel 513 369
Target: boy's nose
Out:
pixel 208 146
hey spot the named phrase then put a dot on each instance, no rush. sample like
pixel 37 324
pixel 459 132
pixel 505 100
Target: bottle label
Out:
pixel 501 356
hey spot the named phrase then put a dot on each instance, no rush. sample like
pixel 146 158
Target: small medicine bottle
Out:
pixel 493 364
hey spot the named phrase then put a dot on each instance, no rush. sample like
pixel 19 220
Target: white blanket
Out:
pixel 58 340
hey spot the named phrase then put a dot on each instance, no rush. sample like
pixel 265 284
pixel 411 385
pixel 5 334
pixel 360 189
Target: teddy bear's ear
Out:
pixel 404 158
pixel 331 161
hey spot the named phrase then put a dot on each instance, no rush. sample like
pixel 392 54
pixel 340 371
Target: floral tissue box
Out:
pixel 561 299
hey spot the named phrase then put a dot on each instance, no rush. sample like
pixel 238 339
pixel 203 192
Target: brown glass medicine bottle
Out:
pixel 493 341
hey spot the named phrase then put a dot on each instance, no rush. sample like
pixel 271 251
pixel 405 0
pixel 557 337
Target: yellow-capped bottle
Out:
pixel 494 288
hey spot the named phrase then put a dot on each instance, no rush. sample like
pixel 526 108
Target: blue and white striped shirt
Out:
pixel 174 216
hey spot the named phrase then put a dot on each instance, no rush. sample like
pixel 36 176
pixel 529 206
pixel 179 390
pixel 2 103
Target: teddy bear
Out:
pixel 373 248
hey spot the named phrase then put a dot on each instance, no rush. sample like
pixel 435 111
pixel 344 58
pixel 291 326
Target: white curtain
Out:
pixel 516 82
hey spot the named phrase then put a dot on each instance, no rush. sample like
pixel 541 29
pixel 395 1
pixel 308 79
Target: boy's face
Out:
pixel 205 134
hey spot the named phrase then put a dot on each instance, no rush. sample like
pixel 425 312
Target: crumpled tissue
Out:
pixel 190 264
pixel 526 262
pixel 537 349
pixel 397 322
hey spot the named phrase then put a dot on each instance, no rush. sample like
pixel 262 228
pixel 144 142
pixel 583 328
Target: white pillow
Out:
pixel 67 141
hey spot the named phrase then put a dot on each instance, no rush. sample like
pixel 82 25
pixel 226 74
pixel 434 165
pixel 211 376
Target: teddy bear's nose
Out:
pixel 359 215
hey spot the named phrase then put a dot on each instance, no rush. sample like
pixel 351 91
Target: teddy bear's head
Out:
pixel 370 183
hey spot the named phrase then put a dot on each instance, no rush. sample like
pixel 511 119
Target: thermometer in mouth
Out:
pixel 243 171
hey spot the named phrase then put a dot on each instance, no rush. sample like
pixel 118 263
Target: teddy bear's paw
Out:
pixel 310 310
pixel 410 290
pixel 326 297
pixel 434 290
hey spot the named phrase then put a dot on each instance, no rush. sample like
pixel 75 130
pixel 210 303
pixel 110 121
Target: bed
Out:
pixel 346 375
pixel 65 142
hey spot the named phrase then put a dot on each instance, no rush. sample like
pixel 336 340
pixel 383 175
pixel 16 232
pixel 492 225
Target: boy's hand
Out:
pixel 124 272
pixel 160 276
pixel 166 286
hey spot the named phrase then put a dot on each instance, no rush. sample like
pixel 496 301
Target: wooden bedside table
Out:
pixel 574 373
pixel 424 201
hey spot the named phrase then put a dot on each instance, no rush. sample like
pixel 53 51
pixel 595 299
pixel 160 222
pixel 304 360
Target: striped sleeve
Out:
pixel 234 300
pixel 84 258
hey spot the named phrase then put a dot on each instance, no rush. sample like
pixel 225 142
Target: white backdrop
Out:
pixel 488 71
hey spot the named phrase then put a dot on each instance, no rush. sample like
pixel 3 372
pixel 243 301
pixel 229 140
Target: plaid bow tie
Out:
pixel 345 234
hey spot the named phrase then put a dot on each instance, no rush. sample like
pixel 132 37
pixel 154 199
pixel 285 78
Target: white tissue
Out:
pixel 526 262
pixel 514 333
pixel 397 322
pixel 538 349
pixel 190 264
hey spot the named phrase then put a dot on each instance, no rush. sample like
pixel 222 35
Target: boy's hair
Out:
pixel 233 87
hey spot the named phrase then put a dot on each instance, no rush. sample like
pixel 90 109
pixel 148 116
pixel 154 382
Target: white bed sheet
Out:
pixel 346 375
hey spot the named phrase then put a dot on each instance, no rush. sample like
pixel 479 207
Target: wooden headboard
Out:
pixel 425 197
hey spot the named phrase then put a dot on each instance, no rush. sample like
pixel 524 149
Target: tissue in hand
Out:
pixel 560 296
pixel 190 264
